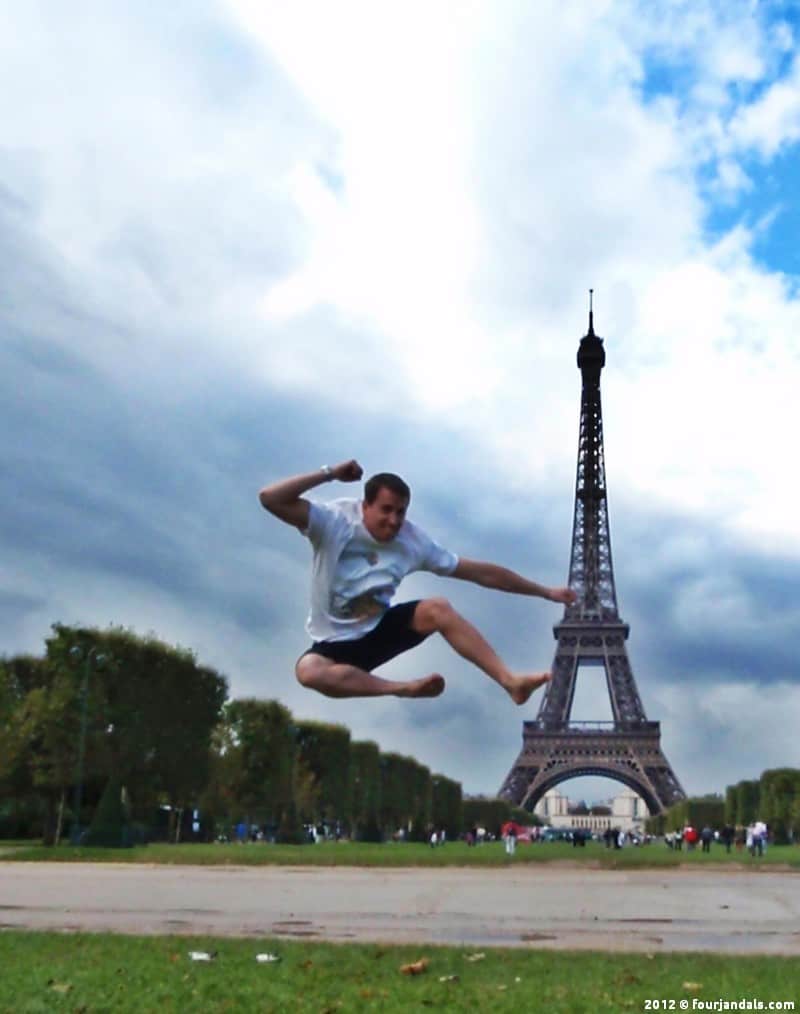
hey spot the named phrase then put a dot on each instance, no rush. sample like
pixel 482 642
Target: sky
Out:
pixel 242 239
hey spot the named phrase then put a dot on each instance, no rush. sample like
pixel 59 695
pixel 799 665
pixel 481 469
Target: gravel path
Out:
pixel 540 906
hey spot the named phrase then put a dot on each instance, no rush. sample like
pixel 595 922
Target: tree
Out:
pixel 135 710
pixel 48 725
pixel 217 800
pixel 262 759
pixel 421 788
pixel 13 767
pixel 365 774
pixel 325 751
pixel 405 797
pixel 795 819
pixel 779 788
pixel 527 818
pixel 109 827
pixel 489 813
pixel 447 810
pixel 730 805
pixel 747 801
pixel 395 796
pixel 19 814
pixel 307 791
pixel 699 812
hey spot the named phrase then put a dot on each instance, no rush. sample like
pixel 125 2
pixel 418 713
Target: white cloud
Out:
pixel 731 181
pixel 711 392
pixel 515 170
pixel 772 121
pixel 395 247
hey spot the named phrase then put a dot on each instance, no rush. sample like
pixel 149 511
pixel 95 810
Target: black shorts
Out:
pixel 390 638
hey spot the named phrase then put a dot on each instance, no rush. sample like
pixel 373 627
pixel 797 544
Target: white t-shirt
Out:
pixel 354 576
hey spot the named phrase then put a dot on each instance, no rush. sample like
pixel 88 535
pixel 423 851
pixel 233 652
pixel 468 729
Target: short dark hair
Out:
pixel 385 480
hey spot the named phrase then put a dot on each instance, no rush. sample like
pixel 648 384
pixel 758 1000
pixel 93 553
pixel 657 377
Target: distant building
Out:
pixel 627 812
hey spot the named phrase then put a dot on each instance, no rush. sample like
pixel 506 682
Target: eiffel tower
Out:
pixel 627 749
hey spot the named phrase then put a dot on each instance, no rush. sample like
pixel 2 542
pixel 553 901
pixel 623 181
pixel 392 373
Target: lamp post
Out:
pixel 88 657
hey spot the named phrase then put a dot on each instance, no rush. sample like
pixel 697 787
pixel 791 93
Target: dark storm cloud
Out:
pixel 14 607
pixel 726 613
pixel 92 488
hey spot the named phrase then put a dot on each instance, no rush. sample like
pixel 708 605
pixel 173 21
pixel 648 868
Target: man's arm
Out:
pixel 490 575
pixel 285 500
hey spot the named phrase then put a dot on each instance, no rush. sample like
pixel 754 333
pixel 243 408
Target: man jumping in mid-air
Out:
pixel 362 551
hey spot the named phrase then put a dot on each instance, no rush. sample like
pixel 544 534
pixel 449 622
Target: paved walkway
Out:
pixel 540 906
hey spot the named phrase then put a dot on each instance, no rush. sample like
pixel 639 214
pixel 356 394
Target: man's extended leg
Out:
pixel 438 615
pixel 336 679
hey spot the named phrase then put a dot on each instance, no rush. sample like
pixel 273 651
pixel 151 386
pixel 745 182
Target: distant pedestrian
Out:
pixel 761 836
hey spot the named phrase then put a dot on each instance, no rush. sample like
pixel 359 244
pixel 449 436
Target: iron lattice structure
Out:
pixel 591 632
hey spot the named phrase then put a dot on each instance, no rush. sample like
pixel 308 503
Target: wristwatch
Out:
pixel 327 471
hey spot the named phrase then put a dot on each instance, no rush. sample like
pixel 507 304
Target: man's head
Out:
pixel 386 499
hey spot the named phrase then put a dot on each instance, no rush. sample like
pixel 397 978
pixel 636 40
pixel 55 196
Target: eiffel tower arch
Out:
pixel 591 632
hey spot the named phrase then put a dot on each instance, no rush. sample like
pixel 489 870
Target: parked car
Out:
pixel 555 834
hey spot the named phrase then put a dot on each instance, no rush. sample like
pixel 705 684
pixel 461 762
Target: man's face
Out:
pixel 384 517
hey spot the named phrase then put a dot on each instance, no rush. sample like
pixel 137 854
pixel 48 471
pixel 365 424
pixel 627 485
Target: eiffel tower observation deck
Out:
pixel 591 633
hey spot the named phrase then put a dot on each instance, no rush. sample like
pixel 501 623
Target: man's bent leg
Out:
pixel 437 614
pixel 337 679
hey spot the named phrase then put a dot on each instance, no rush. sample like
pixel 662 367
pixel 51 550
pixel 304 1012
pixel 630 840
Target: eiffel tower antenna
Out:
pixel 591 632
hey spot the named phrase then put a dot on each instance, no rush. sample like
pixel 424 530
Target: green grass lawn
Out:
pixel 655 855
pixel 50 972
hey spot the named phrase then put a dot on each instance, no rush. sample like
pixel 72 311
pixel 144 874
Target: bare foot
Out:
pixel 428 686
pixel 524 686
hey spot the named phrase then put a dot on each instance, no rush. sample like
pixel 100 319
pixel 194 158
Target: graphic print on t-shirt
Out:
pixel 359 608
pixel 365 578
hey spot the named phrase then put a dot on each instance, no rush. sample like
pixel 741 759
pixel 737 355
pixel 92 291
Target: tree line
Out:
pixel 110 728
pixel 774 798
